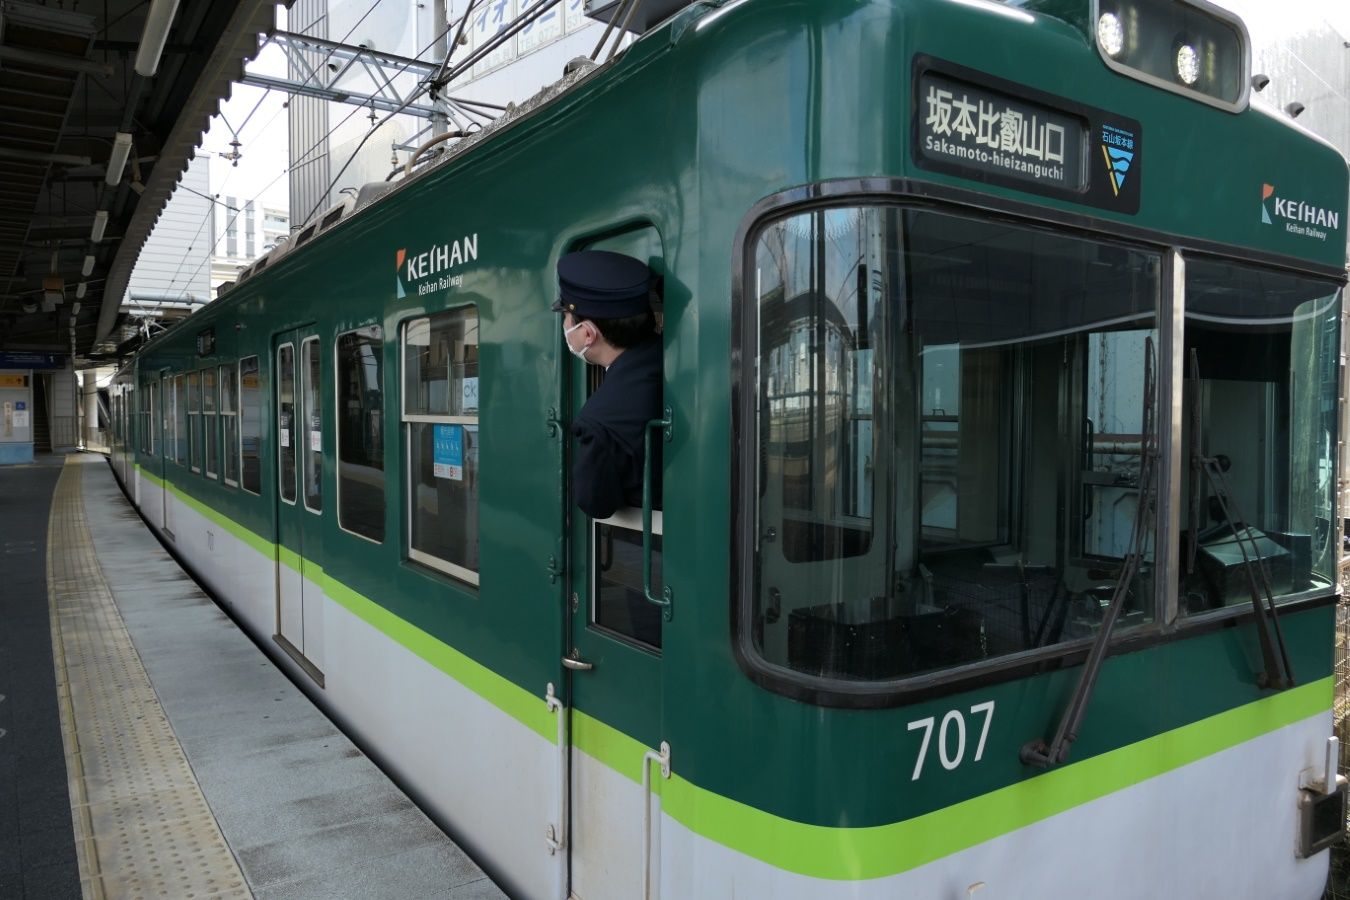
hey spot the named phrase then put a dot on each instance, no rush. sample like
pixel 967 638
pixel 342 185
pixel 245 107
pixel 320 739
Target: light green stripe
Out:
pixel 863 853
pixel 823 851
pixel 506 695
pixel 611 747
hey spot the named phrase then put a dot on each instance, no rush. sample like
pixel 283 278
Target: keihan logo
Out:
pixel 1118 149
pixel 1300 217
pixel 433 269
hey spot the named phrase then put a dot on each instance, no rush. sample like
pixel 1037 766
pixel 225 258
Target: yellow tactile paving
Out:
pixel 142 827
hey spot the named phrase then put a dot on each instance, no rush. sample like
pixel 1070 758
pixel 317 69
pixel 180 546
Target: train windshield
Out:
pixel 949 416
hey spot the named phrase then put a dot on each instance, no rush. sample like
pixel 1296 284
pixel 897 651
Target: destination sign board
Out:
pixel 979 129
pixel 991 130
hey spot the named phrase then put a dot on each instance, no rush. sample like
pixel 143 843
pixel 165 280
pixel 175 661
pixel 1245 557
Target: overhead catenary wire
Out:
pixel 301 160
pixel 436 81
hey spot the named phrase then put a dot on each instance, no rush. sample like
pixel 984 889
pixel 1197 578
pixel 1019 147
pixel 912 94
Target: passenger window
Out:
pixel 250 426
pixel 360 432
pixel 148 419
pixel 229 424
pixel 181 414
pixel 440 423
pixel 918 377
pixel 195 421
pixel 210 437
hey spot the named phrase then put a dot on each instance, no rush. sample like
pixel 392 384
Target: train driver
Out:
pixel 605 300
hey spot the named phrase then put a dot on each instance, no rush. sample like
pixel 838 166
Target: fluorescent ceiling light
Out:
pixel 79 293
pixel 100 223
pixel 156 34
pixel 88 266
pixel 117 160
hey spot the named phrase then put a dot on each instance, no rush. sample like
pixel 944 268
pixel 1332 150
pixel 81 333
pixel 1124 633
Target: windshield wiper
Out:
pixel 1278 674
pixel 1041 753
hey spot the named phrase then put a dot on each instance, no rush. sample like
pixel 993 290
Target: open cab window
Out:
pixel 1259 435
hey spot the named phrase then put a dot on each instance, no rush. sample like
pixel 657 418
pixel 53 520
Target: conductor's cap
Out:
pixel 598 284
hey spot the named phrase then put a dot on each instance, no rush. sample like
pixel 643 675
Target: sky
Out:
pixel 257 118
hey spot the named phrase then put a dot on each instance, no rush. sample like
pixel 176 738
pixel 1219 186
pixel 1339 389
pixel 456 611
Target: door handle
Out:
pixel 576 663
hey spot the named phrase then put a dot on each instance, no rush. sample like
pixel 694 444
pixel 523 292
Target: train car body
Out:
pixel 946 292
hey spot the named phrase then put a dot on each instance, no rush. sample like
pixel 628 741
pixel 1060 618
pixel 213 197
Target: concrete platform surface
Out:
pixel 196 768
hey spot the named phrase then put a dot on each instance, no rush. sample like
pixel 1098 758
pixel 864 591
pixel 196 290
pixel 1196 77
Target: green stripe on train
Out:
pixel 818 851
pixel 864 853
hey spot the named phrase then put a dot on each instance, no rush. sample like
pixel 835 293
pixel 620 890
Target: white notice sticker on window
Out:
pixel 316 441
pixel 285 437
pixel 469 395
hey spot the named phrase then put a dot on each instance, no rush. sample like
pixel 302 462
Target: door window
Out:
pixel 286 421
pixel 311 424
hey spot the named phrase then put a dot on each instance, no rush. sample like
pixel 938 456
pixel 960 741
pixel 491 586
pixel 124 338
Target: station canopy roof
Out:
pixel 75 100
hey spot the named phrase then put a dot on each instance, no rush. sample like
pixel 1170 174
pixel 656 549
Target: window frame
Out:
pixel 834 692
pixel 337 428
pixel 406 419
pixel 964 201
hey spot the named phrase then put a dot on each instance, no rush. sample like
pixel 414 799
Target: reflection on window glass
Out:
pixel 950 420
pixel 210 440
pixel 360 432
pixel 250 426
pixel 311 432
pixel 1262 350
pixel 195 421
pixel 286 425
pixel 229 424
pixel 440 415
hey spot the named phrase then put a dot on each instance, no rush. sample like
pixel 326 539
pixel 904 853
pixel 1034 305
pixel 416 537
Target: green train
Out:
pixel 998 548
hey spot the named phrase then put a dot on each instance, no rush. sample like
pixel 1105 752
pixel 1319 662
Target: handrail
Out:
pixel 665 601
pixel 651 756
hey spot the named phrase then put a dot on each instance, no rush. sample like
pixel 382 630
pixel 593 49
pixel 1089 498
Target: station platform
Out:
pixel 149 749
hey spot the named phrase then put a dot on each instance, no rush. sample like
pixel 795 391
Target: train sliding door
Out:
pixel 614 657
pixel 299 479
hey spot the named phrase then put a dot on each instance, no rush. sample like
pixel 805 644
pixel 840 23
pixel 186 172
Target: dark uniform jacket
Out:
pixel 607 473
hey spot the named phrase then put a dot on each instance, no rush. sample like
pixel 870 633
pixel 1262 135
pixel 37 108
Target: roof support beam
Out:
pixel 54 61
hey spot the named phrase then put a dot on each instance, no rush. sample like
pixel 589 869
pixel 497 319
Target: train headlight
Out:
pixel 1188 64
pixel 1189 47
pixel 1110 34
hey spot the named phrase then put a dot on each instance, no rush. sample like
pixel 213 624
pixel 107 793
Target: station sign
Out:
pixel 991 130
pixel 25 359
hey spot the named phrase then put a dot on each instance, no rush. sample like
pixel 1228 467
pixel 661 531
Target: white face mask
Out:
pixel 579 354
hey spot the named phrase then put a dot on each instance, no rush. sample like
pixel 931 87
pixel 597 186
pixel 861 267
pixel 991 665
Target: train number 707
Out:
pixel 952 720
